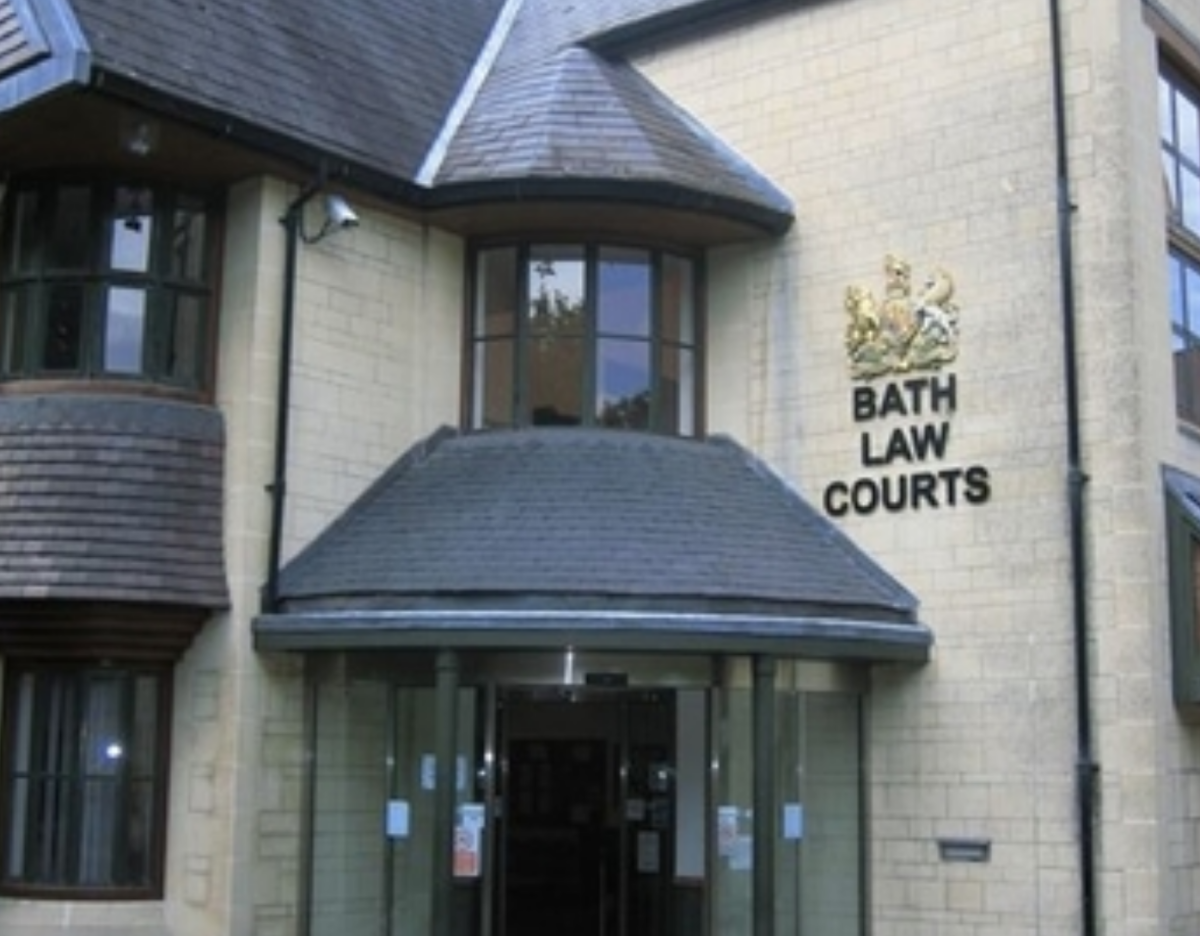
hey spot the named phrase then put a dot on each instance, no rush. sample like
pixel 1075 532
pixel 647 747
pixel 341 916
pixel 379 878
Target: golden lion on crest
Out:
pixel 903 332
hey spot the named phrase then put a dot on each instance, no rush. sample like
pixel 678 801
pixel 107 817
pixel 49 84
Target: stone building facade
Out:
pixel 733 468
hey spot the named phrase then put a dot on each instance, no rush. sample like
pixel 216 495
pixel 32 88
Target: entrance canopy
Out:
pixel 590 539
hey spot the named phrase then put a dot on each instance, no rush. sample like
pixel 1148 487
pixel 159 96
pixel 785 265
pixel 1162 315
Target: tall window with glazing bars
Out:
pixel 1179 123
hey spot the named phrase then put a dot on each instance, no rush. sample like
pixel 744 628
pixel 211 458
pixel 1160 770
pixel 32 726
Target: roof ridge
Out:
pixel 484 63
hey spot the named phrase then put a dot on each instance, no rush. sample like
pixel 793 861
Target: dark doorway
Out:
pixel 587 812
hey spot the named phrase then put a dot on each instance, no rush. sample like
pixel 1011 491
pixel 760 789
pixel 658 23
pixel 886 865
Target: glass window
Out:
pixel 1179 130
pixel 124 329
pixel 68 239
pixel 132 230
pixel 84 773
pixel 21 244
pixel 189 241
pixel 63 328
pixel 1183 566
pixel 553 344
pixel 105 281
pixel 607 338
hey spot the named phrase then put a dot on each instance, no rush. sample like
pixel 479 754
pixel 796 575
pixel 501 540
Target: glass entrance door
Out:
pixel 585 810
pixel 494 805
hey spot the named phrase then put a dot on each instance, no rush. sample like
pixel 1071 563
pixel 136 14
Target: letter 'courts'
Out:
pixel 603 468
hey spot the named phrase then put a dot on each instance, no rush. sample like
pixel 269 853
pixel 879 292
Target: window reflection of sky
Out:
pixel 124 329
pixel 131 243
pixel 1192 302
pixel 1175 269
pixel 624 370
pixel 556 274
pixel 624 287
pixel 1189 127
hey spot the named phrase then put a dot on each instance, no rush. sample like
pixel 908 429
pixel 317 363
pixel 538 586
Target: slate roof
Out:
pixel 425 99
pixel 371 80
pixel 579 116
pixel 552 524
pixel 111 499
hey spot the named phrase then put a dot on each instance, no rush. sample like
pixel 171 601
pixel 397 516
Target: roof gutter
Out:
pixel 1086 768
pixel 649 630
pixel 287 149
pixel 774 221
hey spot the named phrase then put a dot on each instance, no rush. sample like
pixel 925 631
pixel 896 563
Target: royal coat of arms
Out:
pixel 907 330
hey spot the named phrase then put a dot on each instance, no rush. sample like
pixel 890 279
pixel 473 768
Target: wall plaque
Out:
pixel 904 339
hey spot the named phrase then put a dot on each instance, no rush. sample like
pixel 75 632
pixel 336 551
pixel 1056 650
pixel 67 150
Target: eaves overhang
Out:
pixel 676 22
pixel 498 628
pixel 589 538
pixel 744 219
pixel 305 158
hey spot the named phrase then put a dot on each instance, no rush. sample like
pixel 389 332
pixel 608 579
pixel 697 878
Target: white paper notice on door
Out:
pixel 397 818
pixel 727 830
pixel 793 821
pixel 647 852
pixel 471 815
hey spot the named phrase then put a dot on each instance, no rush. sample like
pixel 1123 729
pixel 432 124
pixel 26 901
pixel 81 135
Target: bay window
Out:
pixel 105 280
pixel 582 334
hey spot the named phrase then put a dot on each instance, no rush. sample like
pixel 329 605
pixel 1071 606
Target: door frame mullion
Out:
pixel 763 906
pixel 446 707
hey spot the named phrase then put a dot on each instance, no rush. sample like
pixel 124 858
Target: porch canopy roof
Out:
pixel 592 539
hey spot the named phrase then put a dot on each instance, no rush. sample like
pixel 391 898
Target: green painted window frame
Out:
pixel 134 301
pixel 1182 494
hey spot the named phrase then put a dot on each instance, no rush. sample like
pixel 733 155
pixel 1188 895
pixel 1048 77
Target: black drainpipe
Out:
pixel 291 222
pixel 1086 768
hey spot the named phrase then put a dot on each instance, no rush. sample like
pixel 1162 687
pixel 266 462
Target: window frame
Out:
pixel 1179 158
pixel 165 295
pixel 476 336
pixel 79 673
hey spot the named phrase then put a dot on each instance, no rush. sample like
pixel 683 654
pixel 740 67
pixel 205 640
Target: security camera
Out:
pixel 338 213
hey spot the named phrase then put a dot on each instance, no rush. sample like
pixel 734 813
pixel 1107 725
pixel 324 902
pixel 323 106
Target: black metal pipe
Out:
pixel 763 823
pixel 292 221
pixel 1086 768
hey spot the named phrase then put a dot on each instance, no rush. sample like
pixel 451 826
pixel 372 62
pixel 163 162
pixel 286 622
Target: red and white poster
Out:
pixel 468 841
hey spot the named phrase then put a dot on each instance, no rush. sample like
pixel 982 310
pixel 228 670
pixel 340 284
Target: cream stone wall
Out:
pixel 237 734
pixel 927 129
pixel 375 368
pixel 378 344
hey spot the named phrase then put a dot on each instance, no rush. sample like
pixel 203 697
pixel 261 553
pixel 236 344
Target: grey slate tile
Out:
pixel 371 79
pixel 111 499
pixel 589 513
pixel 376 82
